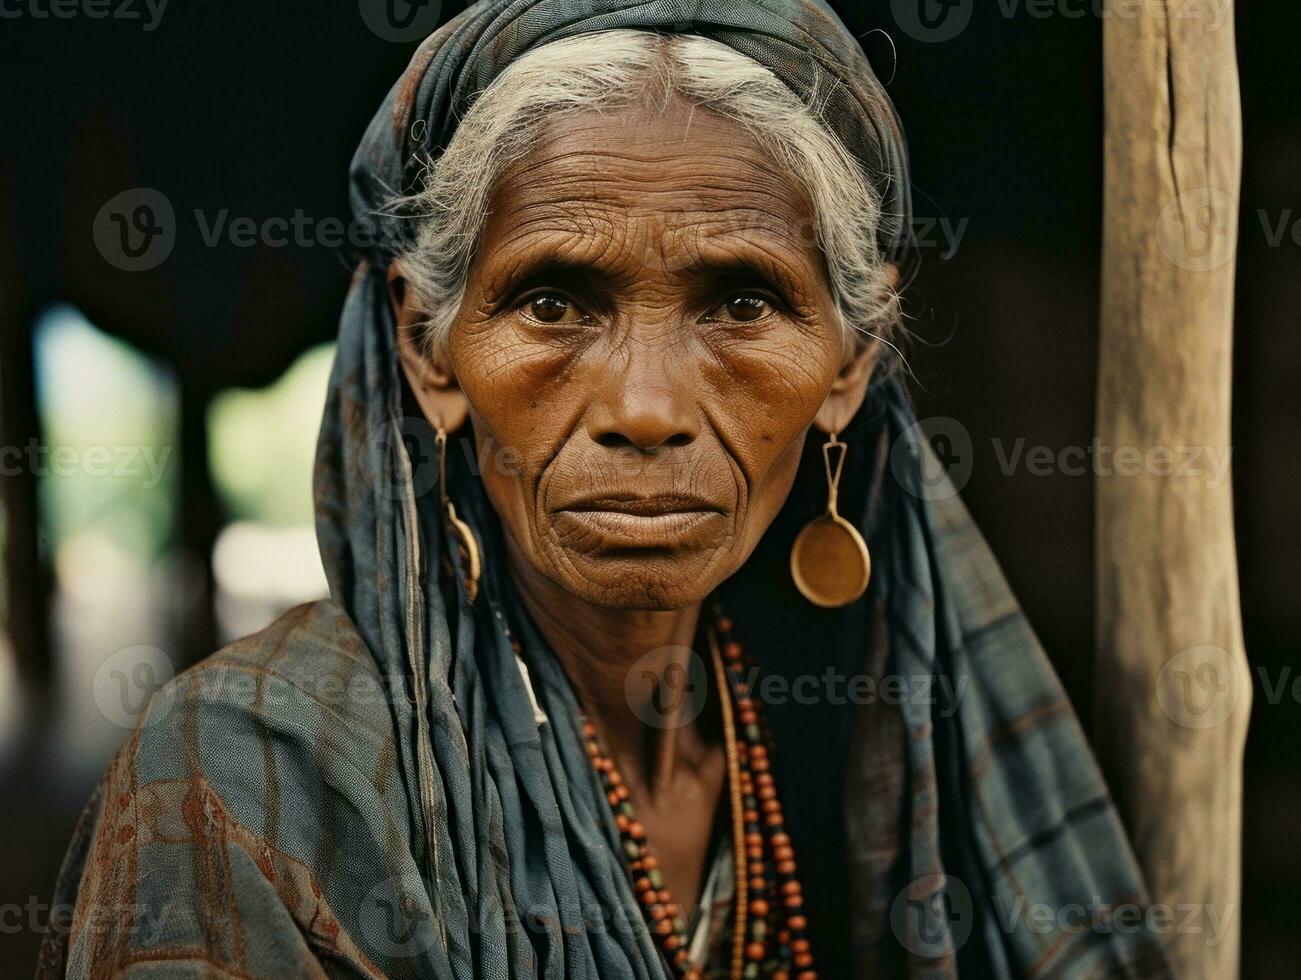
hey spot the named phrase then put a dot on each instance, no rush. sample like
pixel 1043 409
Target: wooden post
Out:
pixel 1173 692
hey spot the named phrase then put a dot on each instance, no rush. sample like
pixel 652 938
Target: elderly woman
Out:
pixel 656 647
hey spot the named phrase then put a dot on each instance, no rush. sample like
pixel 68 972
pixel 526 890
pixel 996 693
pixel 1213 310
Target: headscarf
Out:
pixel 931 824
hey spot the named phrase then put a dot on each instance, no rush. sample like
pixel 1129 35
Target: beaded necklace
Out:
pixel 770 932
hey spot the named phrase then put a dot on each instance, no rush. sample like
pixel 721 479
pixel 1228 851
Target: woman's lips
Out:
pixel 667 521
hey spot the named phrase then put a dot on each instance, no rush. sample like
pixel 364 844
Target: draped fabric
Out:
pixel 378 785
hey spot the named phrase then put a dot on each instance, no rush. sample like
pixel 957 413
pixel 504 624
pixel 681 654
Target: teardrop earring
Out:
pixel 457 529
pixel 829 560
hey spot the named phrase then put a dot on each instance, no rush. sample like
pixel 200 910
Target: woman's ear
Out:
pixel 428 371
pixel 850 387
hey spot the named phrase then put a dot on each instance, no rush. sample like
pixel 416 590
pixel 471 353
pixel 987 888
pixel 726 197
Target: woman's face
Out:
pixel 647 334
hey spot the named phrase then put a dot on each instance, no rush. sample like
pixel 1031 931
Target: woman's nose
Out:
pixel 646 403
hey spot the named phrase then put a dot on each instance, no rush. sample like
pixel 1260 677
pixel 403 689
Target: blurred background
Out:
pixel 174 246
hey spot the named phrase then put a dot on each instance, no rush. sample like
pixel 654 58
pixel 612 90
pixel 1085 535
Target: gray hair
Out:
pixel 612 69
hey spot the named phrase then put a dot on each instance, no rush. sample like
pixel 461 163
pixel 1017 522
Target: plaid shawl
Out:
pixel 378 785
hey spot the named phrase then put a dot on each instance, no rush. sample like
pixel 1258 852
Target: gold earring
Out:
pixel 829 561
pixel 457 528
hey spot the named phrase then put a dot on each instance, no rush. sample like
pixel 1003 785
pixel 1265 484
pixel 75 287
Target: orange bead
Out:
pixel 724 624
pixel 803 960
pixel 780 840
pixel 786 867
pixel 797 923
pixel 755 951
pixel 759 908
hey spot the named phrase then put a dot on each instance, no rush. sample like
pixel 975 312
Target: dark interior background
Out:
pixel 257 107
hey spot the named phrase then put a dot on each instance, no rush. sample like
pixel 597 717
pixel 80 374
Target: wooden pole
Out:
pixel 1172 692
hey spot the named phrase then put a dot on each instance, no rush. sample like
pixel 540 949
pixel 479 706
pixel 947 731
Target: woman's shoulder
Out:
pixel 220 814
pixel 301 648
pixel 313 652
pixel 285 712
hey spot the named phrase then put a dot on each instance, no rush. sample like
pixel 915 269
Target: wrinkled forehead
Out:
pixel 675 183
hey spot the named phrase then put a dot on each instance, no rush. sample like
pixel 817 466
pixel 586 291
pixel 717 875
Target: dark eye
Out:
pixel 743 307
pixel 551 308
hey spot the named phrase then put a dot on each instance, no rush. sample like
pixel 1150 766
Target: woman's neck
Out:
pixel 633 673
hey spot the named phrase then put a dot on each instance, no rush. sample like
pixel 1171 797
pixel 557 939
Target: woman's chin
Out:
pixel 621 561
pixel 646 581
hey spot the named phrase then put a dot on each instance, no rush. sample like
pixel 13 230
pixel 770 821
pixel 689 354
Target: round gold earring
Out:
pixel 829 561
pixel 457 529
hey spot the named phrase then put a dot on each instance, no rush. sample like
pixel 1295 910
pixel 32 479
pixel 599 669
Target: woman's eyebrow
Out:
pixel 549 269
pixel 751 265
